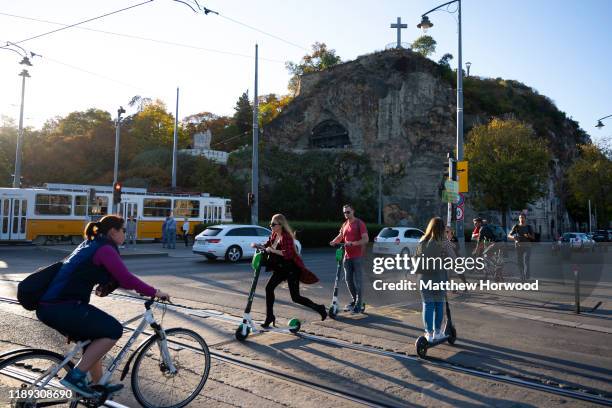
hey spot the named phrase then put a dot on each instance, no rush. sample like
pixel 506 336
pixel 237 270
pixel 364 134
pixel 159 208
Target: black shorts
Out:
pixel 80 321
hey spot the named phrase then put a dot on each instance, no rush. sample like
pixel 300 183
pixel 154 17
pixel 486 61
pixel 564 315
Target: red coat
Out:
pixel 287 245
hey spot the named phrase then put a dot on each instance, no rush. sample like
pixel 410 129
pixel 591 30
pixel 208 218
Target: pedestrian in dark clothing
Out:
pixel 522 235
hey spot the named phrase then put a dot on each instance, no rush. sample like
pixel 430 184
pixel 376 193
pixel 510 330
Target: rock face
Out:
pixel 393 106
pixel 398 109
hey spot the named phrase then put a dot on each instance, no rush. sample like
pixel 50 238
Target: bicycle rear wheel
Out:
pixel 21 369
pixel 155 386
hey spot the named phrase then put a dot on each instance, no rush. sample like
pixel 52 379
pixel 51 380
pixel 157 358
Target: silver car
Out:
pixel 397 240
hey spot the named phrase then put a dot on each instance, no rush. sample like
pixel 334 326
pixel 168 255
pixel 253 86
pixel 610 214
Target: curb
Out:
pixel 123 254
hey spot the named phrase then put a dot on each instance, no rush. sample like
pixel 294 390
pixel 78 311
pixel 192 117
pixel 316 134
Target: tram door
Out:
pixel 128 210
pixel 13 218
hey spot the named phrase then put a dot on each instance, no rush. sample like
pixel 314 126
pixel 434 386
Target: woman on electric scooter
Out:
pixel 433 245
pixel 286 264
pixel 65 305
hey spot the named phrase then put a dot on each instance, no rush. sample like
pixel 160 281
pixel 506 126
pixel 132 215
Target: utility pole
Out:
pixel 255 164
pixel 17 176
pixel 590 229
pixel 120 111
pixel 175 141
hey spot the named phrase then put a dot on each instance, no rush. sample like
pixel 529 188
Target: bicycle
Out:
pixel 177 357
pixel 494 262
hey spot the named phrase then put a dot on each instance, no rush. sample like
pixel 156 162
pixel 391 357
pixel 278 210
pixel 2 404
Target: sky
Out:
pixel 561 48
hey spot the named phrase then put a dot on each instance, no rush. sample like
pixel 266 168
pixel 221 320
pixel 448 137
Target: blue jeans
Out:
pixel 353 271
pixel 433 314
pixel 171 240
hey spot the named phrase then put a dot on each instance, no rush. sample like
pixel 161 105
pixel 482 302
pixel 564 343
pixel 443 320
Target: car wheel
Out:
pixel 233 254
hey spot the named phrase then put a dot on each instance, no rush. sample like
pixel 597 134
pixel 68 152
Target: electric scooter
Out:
pixel 450 335
pixel 248 326
pixel 334 308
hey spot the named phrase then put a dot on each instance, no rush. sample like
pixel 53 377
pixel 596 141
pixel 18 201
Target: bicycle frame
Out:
pixel 147 319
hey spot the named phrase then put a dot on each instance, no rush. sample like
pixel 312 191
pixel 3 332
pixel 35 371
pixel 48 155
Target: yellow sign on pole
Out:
pixel 462 176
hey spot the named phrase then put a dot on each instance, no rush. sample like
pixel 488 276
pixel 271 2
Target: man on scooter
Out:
pixel 354 234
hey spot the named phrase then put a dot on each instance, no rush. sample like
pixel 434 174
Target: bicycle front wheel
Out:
pixel 22 369
pixel 153 382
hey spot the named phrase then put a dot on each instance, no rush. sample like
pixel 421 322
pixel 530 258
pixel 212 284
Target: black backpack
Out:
pixel 31 289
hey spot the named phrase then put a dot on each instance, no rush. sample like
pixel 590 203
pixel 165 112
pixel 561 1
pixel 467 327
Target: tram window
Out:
pixel 53 204
pixel 99 206
pixel 186 208
pixel 156 207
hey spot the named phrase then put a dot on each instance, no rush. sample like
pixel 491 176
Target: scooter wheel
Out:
pixel 294 325
pixel 452 336
pixel 421 346
pixel 332 312
pixel 239 334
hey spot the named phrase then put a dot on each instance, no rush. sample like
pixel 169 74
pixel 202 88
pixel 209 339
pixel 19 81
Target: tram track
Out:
pixel 536 383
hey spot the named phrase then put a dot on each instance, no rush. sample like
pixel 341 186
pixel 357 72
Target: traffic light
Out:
pixel 250 199
pixel 117 193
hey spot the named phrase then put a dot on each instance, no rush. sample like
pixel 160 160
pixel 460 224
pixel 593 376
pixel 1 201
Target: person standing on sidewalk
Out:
pixel 186 231
pixel 130 232
pixel 354 234
pixel 164 236
pixel 171 232
pixel 522 235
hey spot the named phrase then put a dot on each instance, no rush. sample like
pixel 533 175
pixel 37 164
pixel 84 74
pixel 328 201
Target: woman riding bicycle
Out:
pixel 65 305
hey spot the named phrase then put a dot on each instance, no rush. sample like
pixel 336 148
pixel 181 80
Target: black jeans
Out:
pixel 291 275
pixel 186 238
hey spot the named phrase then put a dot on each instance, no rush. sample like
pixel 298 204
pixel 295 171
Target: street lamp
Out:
pixel 120 111
pixel 599 124
pixel 468 65
pixel 23 74
pixel 425 24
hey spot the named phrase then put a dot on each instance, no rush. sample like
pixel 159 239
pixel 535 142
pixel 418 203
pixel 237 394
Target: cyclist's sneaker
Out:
pixel 350 307
pixel 76 381
pixel 113 388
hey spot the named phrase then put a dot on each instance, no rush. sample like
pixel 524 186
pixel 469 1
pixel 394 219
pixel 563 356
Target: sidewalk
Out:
pixel 140 250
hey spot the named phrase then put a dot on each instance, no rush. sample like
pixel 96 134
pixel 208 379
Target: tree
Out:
pixel 243 118
pixel 590 178
pixel 445 60
pixel 270 106
pixel 508 165
pixel 424 45
pixel 320 60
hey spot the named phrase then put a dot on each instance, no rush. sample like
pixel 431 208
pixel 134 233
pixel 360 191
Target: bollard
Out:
pixel 576 288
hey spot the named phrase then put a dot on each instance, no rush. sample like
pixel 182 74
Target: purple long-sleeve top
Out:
pixel 109 258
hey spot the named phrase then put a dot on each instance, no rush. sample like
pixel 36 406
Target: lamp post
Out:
pixel 468 65
pixel 425 24
pixel 599 124
pixel 23 74
pixel 120 111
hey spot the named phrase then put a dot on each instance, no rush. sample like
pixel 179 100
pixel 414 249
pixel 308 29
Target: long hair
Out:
pixel 280 218
pixel 93 229
pixel 435 230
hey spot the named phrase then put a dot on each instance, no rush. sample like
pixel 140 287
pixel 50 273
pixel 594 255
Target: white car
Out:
pixel 231 241
pixel 397 240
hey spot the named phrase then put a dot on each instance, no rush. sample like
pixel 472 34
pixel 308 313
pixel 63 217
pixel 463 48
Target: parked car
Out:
pixel 601 236
pixel 397 240
pixel 231 242
pixel 577 240
pixel 587 242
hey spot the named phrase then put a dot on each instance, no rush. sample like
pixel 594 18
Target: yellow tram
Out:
pixel 60 211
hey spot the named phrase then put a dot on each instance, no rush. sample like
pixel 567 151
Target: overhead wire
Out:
pixel 141 38
pixel 82 22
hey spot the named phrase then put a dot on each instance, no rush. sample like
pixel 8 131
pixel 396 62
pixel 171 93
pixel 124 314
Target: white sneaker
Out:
pixel 429 336
pixel 438 335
